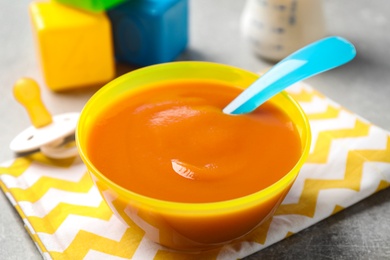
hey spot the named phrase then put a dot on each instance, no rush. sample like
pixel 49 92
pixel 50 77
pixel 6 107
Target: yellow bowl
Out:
pixel 189 226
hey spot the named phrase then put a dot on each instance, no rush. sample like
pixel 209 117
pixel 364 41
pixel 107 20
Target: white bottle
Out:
pixel 277 28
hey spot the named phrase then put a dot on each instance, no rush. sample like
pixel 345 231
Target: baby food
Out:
pixel 171 141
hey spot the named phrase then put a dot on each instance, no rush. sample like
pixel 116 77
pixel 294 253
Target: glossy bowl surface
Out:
pixel 188 226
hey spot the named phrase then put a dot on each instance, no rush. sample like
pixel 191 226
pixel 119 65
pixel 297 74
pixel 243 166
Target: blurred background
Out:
pixel 215 34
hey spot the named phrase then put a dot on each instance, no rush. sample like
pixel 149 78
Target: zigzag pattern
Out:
pixel 37 172
pixel 46 204
pixel 66 208
pixel 306 206
pixel 65 215
pixel 322 147
pixel 44 184
pixel 112 229
pixel 331 112
pixel 84 242
pixel 63 210
pixel 17 168
pixel 364 146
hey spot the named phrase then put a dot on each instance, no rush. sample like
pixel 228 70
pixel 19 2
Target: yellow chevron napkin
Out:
pixel 67 219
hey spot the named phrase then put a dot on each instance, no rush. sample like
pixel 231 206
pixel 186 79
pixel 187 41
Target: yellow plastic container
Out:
pixel 189 226
pixel 74 47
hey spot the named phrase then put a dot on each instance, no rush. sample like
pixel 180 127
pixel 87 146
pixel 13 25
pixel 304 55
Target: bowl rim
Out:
pixel 190 207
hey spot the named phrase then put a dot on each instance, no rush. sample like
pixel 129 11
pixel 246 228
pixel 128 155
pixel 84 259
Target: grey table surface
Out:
pixel 361 231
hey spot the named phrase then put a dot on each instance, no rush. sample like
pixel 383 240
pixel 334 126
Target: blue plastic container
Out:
pixel 148 32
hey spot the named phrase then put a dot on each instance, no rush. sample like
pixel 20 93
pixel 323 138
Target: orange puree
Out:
pixel 174 143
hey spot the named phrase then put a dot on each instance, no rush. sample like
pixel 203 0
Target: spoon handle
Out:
pixel 312 59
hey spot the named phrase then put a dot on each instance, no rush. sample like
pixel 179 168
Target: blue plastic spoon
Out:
pixel 311 60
